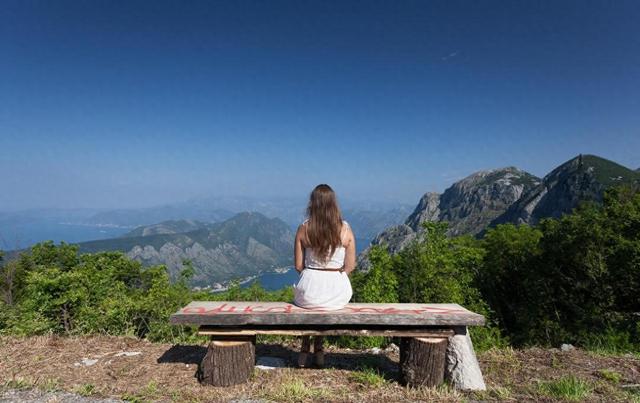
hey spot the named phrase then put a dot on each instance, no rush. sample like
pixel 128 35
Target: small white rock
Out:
pixel 567 347
pixel 268 363
pixel 87 362
pixel 375 350
pixel 392 348
pixel 128 353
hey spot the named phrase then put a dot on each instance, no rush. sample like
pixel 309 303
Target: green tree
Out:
pixel 592 267
pixel 379 284
pixel 106 293
pixel 571 279
pixel 622 216
pixel 508 271
pixel 63 256
pixel 438 269
pixel 432 269
pixel 12 274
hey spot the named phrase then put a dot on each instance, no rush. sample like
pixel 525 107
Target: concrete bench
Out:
pixel 434 345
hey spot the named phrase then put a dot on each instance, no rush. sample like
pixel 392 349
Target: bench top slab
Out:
pixel 233 313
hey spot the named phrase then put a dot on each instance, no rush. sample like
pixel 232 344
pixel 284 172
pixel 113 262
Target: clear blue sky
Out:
pixel 135 103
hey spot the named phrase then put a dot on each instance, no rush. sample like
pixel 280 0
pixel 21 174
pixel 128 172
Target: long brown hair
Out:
pixel 325 222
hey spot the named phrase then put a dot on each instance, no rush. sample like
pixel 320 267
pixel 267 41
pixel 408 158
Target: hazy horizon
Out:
pixel 136 104
pixel 380 201
pixel 345 202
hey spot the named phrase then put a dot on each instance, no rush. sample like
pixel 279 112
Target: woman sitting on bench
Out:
pixel 325 254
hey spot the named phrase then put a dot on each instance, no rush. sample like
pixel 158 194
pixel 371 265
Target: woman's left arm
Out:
pixel 298 253
pixel 350 253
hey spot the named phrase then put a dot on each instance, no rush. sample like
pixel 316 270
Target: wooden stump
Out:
pixel 228 362
pixel 422 360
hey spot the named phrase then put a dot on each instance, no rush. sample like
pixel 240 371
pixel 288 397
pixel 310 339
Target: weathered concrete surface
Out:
pixel 240 313
pixel 461 368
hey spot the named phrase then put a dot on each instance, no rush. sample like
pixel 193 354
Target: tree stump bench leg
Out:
pixel 229 361
pixel 422 360
pixel 462 369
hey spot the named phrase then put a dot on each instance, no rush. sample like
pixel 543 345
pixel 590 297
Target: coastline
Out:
pixel 225 285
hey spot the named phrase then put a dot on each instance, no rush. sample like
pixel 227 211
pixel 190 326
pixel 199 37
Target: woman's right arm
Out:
pixel 298 253
pixel 350 254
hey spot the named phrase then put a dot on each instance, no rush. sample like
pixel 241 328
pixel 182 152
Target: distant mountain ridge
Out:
pixel 367 219
pixel 508 195
pixel 166 227
pixel 244 245
pixel 368 223
pixel 128 218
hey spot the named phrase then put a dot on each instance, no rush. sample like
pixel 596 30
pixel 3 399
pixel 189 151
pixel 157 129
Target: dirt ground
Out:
pixel 137 370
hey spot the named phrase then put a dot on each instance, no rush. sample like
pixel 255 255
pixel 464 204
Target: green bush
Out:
pixel 433 269
pixel 508 262
pixel 569 280
pixel 380 283
pixel 106 293
pixel 56 290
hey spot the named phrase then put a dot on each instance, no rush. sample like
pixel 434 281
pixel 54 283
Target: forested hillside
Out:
pixel 244 245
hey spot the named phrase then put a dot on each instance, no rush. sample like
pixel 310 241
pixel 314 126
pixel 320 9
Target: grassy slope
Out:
pixel 610 173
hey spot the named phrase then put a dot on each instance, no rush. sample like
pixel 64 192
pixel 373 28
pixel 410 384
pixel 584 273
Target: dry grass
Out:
pixel 552 375
pixel 163 372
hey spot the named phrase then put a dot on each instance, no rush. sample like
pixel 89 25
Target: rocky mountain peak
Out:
pixel 582 178
pixel 505 175
pixel 468 205
pixel 428 209
pixel 471 203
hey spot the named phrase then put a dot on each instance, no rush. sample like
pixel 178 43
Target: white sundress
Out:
pixel 327 290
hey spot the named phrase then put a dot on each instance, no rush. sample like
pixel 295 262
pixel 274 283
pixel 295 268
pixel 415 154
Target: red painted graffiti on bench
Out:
pixel 250 308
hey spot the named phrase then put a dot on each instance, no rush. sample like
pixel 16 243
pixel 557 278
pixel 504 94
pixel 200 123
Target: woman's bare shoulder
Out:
pixel 346 233
pixel 302 231
pixel 346 227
